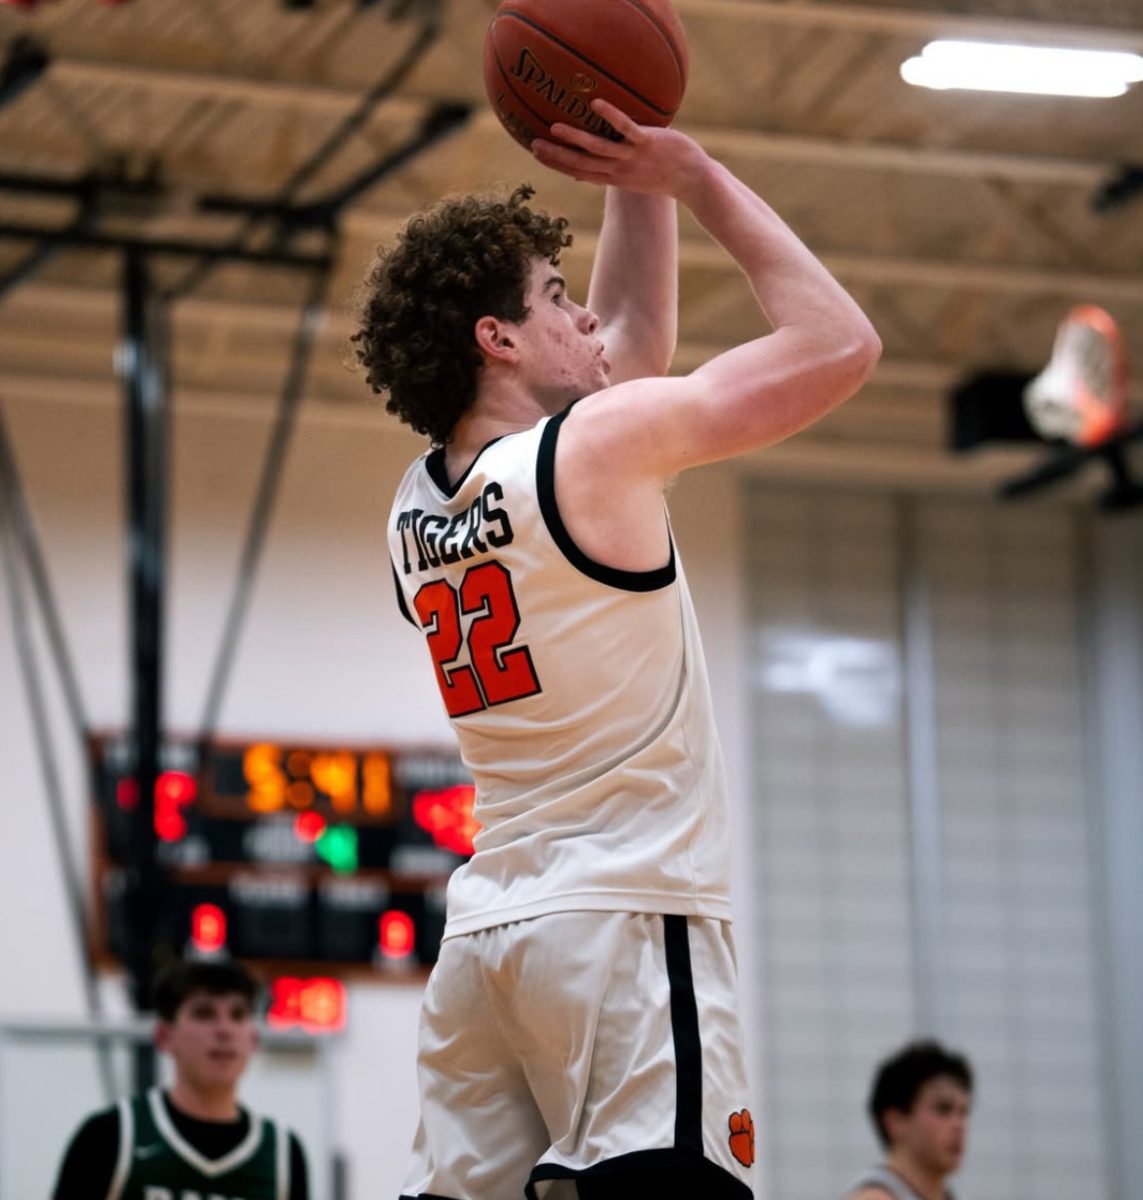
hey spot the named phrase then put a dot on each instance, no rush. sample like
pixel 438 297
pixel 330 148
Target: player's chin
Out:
pixel 226 1066
pixel 952 1158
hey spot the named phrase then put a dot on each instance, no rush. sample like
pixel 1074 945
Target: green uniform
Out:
pixel 156 1162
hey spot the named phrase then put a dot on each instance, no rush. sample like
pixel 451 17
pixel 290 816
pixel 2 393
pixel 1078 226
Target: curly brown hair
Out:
pixel 456 262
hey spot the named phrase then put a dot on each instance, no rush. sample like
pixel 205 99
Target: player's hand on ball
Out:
pixel 648 159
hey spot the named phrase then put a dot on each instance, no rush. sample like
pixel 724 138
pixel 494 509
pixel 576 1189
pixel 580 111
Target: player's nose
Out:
pixel 588 321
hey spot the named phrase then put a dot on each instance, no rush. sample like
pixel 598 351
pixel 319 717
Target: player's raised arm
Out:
pixel 634 283
pixel 821 350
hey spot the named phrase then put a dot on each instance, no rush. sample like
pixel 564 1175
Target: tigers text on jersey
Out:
pixel 155 1162
pixel 578 693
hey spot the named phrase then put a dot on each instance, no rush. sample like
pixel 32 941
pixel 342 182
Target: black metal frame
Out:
pixel 1125 492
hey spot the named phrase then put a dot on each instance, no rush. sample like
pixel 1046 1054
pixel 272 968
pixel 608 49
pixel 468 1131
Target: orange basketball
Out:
pixel 546 60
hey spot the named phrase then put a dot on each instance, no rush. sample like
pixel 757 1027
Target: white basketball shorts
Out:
pixel 583 1054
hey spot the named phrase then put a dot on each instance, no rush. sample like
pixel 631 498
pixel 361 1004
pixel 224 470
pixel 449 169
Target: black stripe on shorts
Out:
pixel 685 1031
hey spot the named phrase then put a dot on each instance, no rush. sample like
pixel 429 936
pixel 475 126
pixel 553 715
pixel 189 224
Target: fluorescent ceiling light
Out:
pixel 1039 70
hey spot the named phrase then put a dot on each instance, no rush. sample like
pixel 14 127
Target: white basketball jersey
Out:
pixel 578 693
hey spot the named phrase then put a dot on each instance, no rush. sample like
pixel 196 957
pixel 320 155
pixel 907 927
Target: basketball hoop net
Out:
pixel 1081 395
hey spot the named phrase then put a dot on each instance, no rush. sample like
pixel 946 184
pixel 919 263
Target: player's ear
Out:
pixel 494 340
pixel 894 1120
pixel 162 1035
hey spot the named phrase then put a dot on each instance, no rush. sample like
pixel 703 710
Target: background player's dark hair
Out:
pixel 458 261
pixel 175 983
pixel 900 1078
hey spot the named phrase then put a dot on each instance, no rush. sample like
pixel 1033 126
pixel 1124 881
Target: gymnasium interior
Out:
pixel 922 616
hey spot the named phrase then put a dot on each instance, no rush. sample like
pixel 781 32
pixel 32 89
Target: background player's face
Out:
pixel 934 1131
pixel 560 356
pixel 210 1039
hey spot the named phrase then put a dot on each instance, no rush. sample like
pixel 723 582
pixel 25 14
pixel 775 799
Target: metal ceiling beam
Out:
pixel 400 111
pixel 334 101
pixel 911 160
pixel 918 22
pixel 876 268
pixel 930 272
pixel 88 239
pixel 1012 281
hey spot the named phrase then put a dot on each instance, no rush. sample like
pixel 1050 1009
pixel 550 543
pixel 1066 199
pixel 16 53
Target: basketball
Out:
pixel 546 60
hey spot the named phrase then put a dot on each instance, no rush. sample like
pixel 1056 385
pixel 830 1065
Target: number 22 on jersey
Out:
pixel 499 671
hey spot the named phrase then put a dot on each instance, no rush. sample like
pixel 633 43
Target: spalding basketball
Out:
pixel 546 60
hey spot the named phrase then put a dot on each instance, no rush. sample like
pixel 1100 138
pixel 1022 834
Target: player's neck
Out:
pixel 495 412
pixel 928 1184
pixel 204 1104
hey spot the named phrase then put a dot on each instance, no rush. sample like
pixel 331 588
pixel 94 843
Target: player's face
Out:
pixel 933 1133
pixel 210 1039
pixel 561 357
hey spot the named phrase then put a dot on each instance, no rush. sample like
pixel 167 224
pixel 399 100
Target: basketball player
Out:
pixel 194 1141
pixel 919 1105
pixel 579 1034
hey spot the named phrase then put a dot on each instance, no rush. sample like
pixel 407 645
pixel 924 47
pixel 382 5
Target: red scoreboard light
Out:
pixel 208 929
pixel 174 791
pixel 446 814
pixel 396 937
pixel 316 1005
pixel 127 793
pixel 309 826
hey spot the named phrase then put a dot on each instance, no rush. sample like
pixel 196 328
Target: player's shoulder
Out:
pixel 615 403
pixel 636 428
pixel 103 1123
pixel 273 1127
pixel 89 1160
pixel 876 1183
pixel 297 1150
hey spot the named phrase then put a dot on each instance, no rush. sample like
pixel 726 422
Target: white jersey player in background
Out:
pixel 579 1034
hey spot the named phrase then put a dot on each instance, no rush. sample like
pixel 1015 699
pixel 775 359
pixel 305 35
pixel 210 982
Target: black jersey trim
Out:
pixel 685 1031
pixel 401 597
pixel 435 466
pixel 674 1172
pixel 631 581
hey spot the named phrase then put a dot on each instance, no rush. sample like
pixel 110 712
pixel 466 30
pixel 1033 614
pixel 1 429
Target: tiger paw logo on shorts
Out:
pixel 742 1136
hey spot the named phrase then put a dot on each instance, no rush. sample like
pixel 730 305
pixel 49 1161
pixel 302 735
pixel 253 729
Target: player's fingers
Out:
pixel 554 152
pixel 574 136
pixel 569 162
pixel 617 119
pixel 567 157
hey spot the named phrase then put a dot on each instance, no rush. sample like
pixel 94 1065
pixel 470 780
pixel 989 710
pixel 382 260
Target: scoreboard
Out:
pixel 302 858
